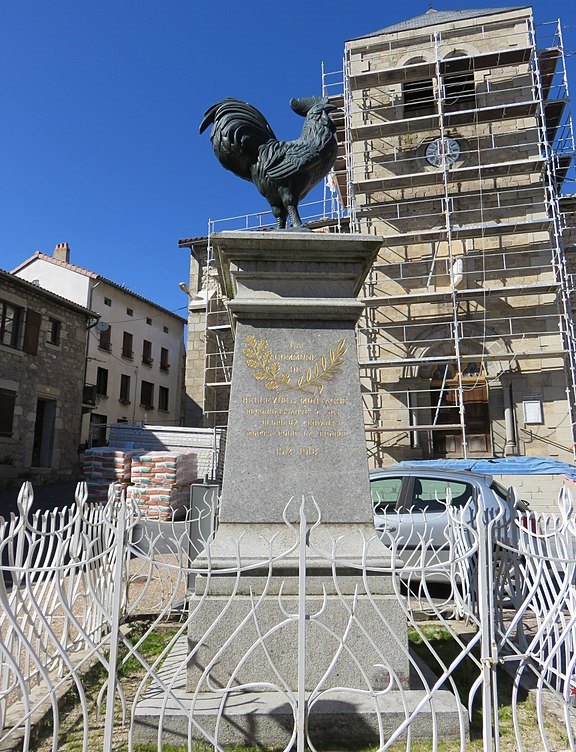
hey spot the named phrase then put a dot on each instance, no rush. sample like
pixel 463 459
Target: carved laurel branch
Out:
pixel 259 359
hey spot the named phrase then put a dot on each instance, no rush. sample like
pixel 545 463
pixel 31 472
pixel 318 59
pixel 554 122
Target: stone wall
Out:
pixel 210 343
pixel 37 374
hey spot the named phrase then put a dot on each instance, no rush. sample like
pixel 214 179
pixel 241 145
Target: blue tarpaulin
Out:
pixel 504 466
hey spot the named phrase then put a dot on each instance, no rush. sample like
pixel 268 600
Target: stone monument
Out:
pixel 293 624
pixel 296 431
pixel 294 628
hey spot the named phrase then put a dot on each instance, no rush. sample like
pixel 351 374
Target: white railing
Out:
pixel 96 587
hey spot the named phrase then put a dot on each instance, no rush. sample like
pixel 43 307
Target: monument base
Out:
pixel 267 719
pixel 248 605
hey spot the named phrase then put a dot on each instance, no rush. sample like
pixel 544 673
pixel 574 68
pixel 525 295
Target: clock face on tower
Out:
pixel 451 151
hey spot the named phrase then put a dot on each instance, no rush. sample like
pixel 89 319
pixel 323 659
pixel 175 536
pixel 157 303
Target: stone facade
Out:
pixel 470 241
pixel 210 343
pixel 42 362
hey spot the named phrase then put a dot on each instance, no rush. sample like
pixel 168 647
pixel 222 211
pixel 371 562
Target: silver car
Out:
pixel 410 509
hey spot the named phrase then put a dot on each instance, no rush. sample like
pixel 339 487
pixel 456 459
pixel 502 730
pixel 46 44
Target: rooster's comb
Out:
pixel 303 106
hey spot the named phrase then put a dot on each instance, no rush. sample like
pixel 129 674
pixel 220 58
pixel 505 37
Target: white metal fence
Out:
pixel 110 637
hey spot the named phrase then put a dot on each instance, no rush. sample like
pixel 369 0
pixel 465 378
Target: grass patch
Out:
pixel 150 648
pixel 130 672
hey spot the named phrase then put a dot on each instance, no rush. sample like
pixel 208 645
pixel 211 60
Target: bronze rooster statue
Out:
pixel 283 171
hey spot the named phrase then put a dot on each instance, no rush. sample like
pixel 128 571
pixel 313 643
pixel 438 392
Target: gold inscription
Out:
pixel 266 368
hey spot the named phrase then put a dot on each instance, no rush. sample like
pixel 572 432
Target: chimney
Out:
pixel 62 252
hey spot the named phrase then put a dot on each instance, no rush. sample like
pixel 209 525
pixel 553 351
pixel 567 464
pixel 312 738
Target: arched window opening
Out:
pixel 459 86
pixel 418 96
pixel 444 401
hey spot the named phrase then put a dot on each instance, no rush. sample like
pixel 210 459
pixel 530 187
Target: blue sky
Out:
pixel 100 105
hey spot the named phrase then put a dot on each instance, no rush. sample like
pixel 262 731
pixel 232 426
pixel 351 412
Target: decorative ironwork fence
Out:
pixel 119 632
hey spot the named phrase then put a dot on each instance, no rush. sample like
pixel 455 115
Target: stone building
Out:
pixel 458 142
pixel 455 144
pixel 42 362
pixel 135 356
pixel 210 344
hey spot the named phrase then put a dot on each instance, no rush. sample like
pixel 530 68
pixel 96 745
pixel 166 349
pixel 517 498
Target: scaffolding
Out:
pixel 454 145
pixel 457 145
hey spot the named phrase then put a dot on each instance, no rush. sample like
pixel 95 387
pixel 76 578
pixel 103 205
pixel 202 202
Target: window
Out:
pixel 105 339
pixel 97 435
pixel 163 395
pixel 430 494
pixel 127 344
pixel 7 402
pixel 129 312
pixel 125 389
pixel 107 301
pixel 459 91
pixel 459 88
pixel 165 329
pixel 418 98
pixel 102 382
pixel 148 321
pixel 147 353
pixel 54 331
pixel 385 493
pixel 147 395
pixel 164 359
pixel 18 328
pixel 11 325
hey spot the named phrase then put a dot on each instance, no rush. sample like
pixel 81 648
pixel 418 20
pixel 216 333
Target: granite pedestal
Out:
pixel 295 446
pixel 296 430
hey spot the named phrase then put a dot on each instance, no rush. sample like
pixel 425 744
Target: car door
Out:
pixel 423 518
pixel 386 493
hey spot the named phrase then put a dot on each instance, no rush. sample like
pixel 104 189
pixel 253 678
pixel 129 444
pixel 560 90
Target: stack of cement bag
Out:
pixel 104 466
pixel 160 483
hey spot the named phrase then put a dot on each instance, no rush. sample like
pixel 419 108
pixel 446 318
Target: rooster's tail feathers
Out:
pixel 209 117
pixel 240 123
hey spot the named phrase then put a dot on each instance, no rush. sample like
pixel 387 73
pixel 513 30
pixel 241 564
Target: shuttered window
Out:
pixel 104 343
pixel 125 389
pixel 127 344
pixel 102 382
pixel 32 332
pixel 163 398
pixel 147 395
pixel 147 353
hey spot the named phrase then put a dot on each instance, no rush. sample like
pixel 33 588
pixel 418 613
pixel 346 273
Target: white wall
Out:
pixel 65 282
pixel 116 315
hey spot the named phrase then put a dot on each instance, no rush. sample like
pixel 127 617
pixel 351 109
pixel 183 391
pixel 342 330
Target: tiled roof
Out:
pixel 93 275
pixel 432 17
pixel 187 242
pixel 47 293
